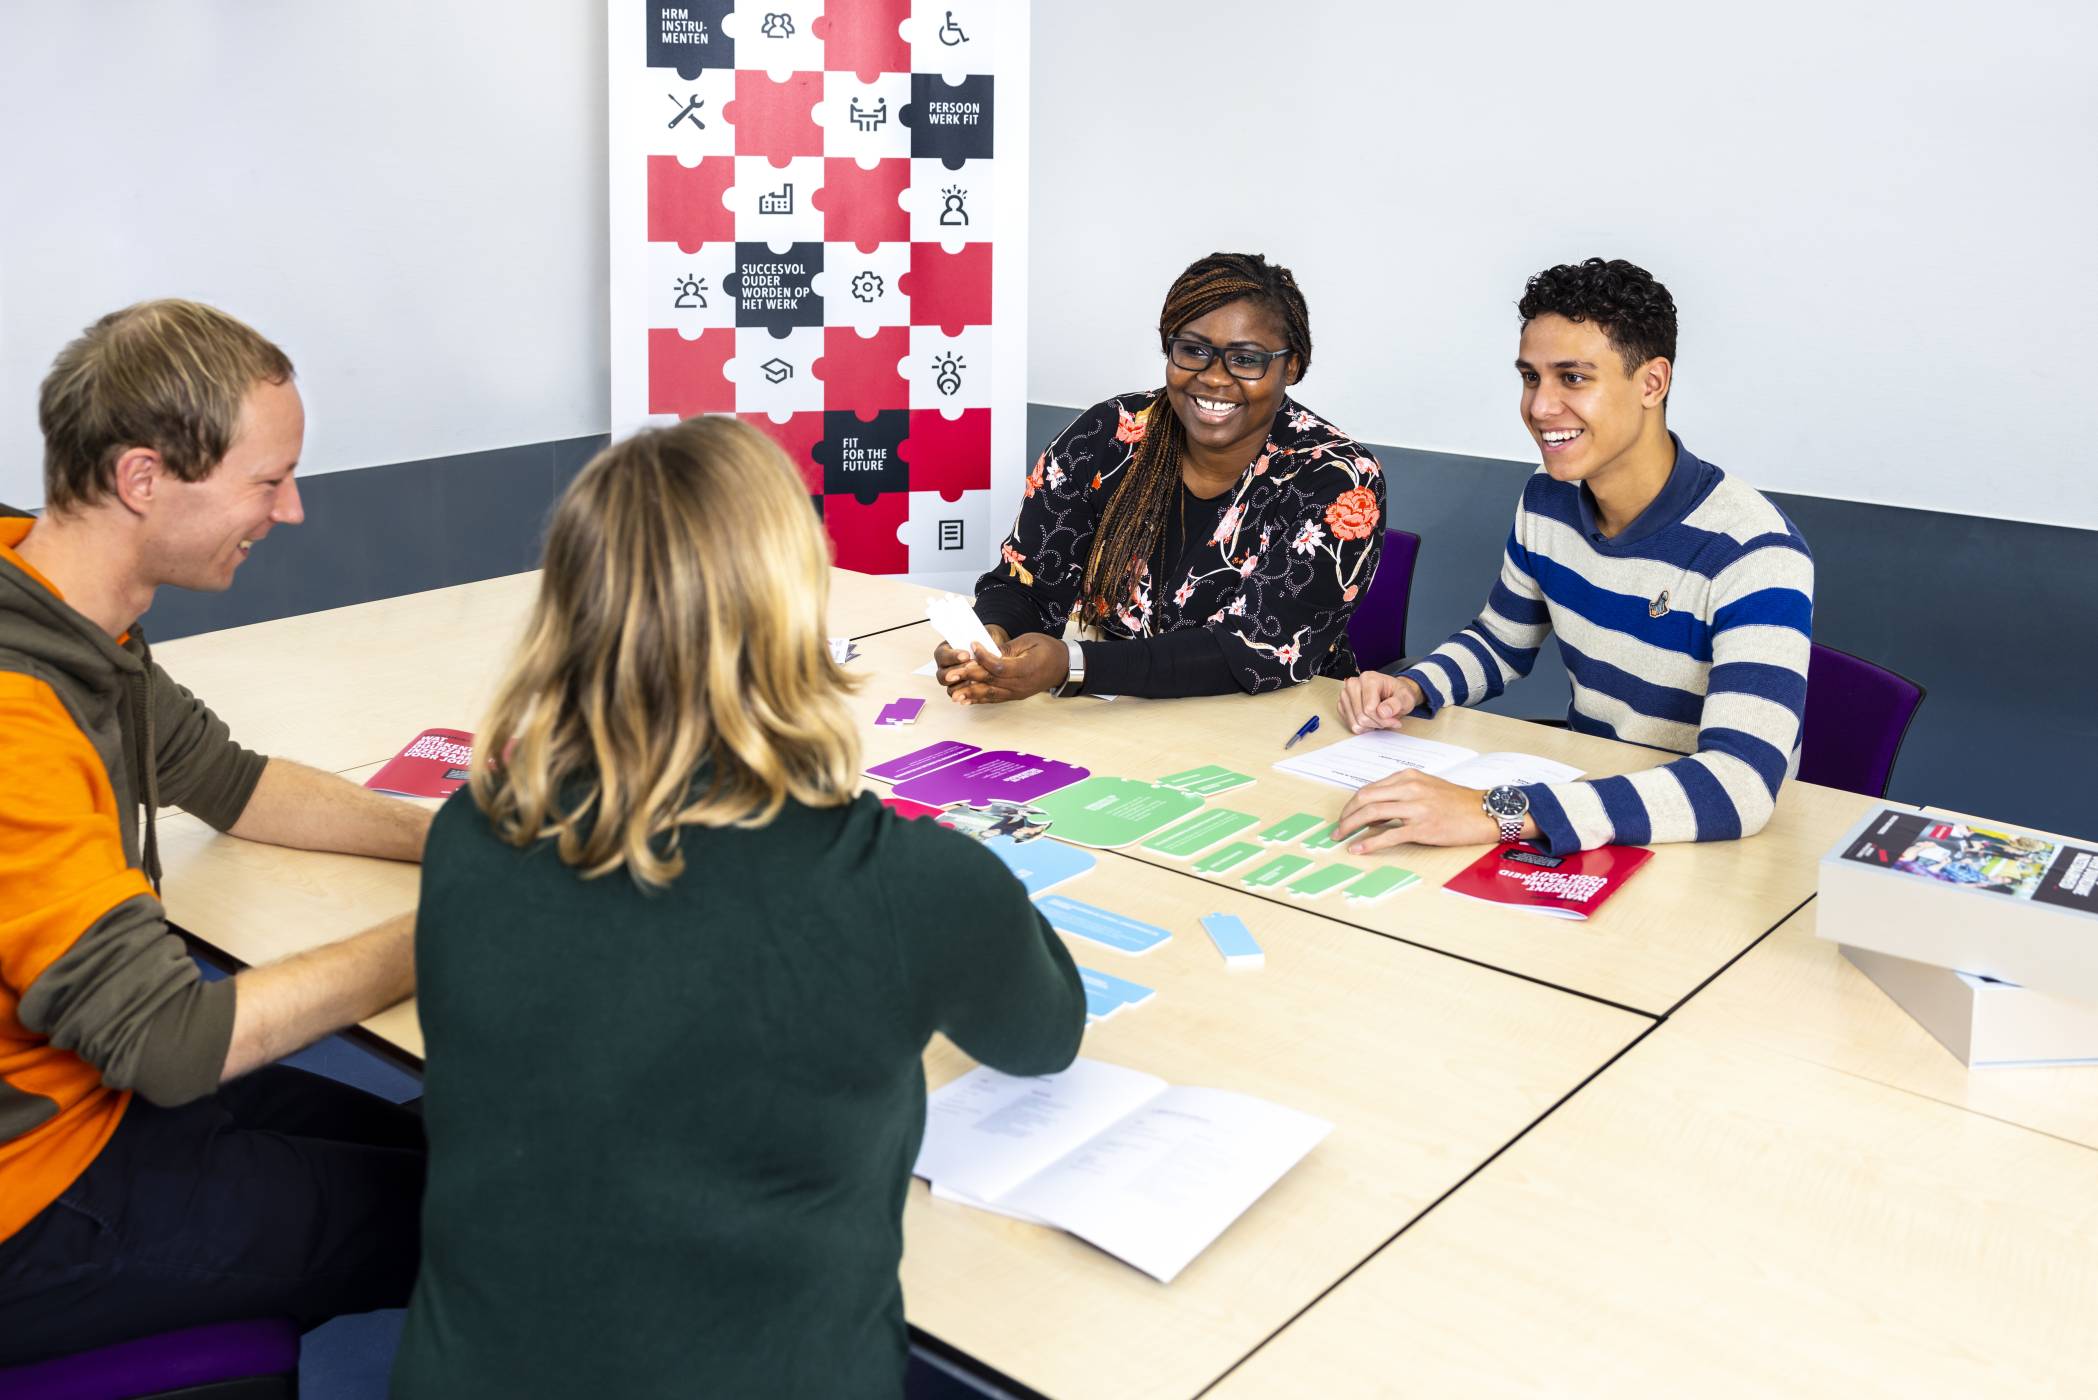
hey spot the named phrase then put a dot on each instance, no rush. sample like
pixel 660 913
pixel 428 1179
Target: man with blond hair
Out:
pixel 156 1171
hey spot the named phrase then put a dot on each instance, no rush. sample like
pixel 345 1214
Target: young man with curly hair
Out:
pixel 1683 601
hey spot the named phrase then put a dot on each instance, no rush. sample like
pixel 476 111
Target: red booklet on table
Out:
pixel 1565 887
pixel 434 764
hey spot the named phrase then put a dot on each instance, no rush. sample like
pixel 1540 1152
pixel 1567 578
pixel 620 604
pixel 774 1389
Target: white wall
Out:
pixel 409 197
pixel 1875 217
pixel 1878 219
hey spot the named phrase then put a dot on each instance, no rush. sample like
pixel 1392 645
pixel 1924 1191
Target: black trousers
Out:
pixel 284 1194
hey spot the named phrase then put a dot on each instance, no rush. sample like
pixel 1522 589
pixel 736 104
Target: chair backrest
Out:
pixel 1857 715
pixel 1377 629
pixel 231 1359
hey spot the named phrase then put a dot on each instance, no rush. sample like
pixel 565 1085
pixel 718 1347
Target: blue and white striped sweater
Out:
pixel 1720 675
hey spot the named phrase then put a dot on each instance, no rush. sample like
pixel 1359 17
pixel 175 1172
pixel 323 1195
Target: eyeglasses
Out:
pixel 1196 355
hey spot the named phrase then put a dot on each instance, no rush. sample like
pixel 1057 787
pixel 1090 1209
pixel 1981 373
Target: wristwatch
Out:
pixel 1074 684
pixel 1508 806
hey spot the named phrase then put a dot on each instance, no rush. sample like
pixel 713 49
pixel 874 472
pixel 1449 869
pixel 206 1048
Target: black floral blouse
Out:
pixel 1292 552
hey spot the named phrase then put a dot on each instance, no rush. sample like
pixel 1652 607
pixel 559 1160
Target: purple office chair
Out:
pixel 1377 628
pixel 252 1360
pixel 1857 714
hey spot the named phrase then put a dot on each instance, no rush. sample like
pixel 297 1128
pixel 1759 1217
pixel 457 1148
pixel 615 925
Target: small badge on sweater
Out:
pixel 1658 607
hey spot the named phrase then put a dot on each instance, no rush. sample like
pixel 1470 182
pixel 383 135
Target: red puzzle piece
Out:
pixel 797 437
pixel 773 119
pixel 949 290
pixel 687 377
pixel 949 456
pixel 865 37
pixel 861 375
pixel 859 206
pixel 684 203
pixel 865 535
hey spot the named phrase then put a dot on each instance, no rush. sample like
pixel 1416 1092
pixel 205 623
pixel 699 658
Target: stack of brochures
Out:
pixel 1987 935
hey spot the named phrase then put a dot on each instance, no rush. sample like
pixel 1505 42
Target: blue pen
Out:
pixel 1309 725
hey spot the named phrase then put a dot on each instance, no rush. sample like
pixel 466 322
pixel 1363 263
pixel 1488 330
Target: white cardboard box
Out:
pixel 2017 906
pixel 1985 1024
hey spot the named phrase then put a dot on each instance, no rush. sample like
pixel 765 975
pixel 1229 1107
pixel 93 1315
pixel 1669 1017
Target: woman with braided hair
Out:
pixel 1210 536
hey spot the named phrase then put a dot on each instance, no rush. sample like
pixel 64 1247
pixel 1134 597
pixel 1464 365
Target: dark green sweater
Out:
pixel 671 1134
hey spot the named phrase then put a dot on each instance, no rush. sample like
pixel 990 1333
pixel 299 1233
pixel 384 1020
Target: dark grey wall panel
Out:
pixel 378 532
pixel 1992 616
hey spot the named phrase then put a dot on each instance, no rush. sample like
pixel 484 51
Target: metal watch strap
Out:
pixel 1511 828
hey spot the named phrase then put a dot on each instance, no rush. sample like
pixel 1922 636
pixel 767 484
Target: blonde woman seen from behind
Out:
pixel 676 978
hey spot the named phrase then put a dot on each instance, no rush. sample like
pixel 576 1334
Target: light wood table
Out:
pixel 1796 994
pixel 1686 915
pixel 1425 1064
pixel 347 687
pixel 1782 1189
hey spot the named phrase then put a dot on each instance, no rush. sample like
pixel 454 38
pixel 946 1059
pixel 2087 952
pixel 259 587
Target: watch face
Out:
pixel 1507 802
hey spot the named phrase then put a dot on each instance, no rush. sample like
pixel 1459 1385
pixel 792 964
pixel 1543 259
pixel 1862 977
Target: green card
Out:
pixel 1290 828
pixel 1276 871
pixel 1326 839
pixel 1321 880
pixel 1199 832
pixel 1113 811
pixel 1206 781
pixel 1224 857
pixel 1379 883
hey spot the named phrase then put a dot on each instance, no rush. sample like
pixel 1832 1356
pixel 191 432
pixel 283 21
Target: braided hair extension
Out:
pixel 1133 521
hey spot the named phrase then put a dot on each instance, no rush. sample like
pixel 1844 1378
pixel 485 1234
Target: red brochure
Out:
pixel 1565 887
pixel 433 764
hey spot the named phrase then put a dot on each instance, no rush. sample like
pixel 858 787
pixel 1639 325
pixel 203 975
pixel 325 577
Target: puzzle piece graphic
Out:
pixel 949 122
pixel 948 536
pixel 687 377
pixel 774 119
pixel 953 36
pixel 772 200
pixel 862 457
pixel 684 203
pixel 777 35
pixel 949 290
pixel 688 36
pixel 688 291
pixel 861 206
pixel 865 532
pixel 776 374
pixel 950 371
pixel 797 437
pixel 686 119
pixel 948 456
pixel 863 288
pixel 950 207
pixel 865 37
pixel 861 375
pixel 864 120
pixel 777 290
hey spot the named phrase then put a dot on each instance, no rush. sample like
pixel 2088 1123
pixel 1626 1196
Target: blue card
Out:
pixel 1104 926
pixel 1105 994
pixel 1040 863
pixel 1234 940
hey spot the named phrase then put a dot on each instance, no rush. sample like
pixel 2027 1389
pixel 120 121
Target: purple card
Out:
pixel 924 760
pixel 903 711
pixel 999 775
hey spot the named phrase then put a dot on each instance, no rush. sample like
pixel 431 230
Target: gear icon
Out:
pixel 868 286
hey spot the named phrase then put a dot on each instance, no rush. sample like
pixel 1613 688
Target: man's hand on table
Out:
pixel 1033 662
pixel 1374 700
pixel 1421 810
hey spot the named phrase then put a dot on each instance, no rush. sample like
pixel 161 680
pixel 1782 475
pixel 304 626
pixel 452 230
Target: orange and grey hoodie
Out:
pixel 98 999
